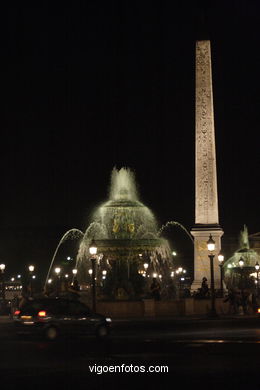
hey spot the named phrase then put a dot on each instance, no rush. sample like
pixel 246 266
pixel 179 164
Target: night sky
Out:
pixel 95 84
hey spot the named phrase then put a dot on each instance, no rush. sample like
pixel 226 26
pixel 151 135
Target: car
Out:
pixel 53 317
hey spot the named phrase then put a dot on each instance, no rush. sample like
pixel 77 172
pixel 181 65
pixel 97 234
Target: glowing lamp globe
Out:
pixel 220 258
pixel 211 244
pixel 93 248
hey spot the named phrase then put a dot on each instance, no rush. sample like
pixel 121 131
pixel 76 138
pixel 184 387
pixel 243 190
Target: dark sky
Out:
pixel 95 84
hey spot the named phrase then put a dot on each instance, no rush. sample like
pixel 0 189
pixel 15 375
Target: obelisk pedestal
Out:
pixel 206 194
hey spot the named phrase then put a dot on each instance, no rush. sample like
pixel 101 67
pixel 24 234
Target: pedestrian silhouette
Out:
pixel 155 290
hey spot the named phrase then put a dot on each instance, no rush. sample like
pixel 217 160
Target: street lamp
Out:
pixel 180 271
pixel 146 265
pixel 257 266
pixel 57 271
pixel 241 265
pixel 211 248
pixel 220 261
pixel 93 252
pixel 2 269
pixel 31 269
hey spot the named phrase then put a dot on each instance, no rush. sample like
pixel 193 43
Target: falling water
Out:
pixel 123 183
pixel 175 223
pixel 122 219
pixel 69 235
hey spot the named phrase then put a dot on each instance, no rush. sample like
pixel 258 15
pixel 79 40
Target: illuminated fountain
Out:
pixel 240 268
pixel 130 246
pixel 126 234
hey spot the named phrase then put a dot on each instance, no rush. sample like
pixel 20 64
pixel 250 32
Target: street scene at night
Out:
pixel 182 351
pixel 129 205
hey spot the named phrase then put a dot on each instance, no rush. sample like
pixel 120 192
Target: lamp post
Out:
pixel 2 269
pixel 93 252
pixel 57 272
pixel 241 265
pixel 211 248
pixel 180 272
pixel 220 261
pixel 31 269
pixel 74 273
pixel 257 266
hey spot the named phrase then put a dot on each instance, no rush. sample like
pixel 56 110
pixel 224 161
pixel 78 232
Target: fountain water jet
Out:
pixel 175 223
pixel 69 235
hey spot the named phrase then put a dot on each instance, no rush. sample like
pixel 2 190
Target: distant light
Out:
pixel 49 281
pixel 104 272
pixel 2 267
pixel 241 262
pixel 174 253
pixel 33 276
pixel 66 275
pixel 90 271
pixel 31 268
pixel 154 275
pixel 18 276
pixel 12 279
pixel 57 270
pixel 146 265
pixel 229 266
pixel 74 271
pixel 69 258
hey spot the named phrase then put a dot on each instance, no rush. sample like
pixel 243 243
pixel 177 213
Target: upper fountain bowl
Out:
pixel 123 215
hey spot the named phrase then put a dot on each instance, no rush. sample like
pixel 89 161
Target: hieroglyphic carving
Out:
pixel 206 177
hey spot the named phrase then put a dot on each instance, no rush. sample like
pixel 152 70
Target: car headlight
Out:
pixel 108 319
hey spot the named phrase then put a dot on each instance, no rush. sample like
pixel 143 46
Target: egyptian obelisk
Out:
pixel 206 193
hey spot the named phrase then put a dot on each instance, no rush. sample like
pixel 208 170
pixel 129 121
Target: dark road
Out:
pixel 219 352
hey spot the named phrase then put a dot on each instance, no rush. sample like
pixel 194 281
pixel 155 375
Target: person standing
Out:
pixel 155 290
